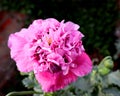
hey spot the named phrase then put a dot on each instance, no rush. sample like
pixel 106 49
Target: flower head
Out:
pixel 53 50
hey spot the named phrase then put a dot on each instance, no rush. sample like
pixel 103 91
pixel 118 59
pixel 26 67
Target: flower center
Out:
pixel 49 40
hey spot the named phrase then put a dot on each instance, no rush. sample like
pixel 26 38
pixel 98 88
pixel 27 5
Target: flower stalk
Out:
pixel 23 93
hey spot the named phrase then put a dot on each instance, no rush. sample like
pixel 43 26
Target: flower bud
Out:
pixel 104 70
pixel 108 63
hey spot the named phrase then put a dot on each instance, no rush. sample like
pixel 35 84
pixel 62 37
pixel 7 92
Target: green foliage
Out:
pixel 114 78
pixel 29 83
pixel 17 5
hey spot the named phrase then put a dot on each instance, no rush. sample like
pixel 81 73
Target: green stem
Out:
pixel 22 93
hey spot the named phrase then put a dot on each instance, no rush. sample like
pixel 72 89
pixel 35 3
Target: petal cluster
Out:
pixel 53 50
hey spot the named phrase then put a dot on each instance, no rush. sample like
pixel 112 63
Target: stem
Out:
pixel 23 93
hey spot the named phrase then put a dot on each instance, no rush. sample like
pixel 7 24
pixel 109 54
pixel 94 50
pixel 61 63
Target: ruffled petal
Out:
pixel 19 53
pixel 52 82
pixel 83 65
pixel 71 26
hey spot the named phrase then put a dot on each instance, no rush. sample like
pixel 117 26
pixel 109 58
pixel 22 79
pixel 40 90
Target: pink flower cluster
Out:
pixel 53 50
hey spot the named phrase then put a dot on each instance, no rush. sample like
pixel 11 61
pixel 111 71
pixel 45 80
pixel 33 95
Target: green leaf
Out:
pixel 83 84
pixel 81 93
pixel 29 83
pixel 114 78
pixel 37 88
pixel 101 93
pixel 67 93
pixel 112 91
pixel 104 82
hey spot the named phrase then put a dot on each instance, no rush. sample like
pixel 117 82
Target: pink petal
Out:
pixel 19 52
pixel 84 65
pixel 55 58
pixel 71 26
pixel 52 82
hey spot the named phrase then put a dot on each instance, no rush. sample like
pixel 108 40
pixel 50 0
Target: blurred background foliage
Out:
pixel 97 18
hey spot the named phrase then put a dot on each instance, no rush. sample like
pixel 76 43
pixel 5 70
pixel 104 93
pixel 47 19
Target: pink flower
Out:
pixel 53 50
